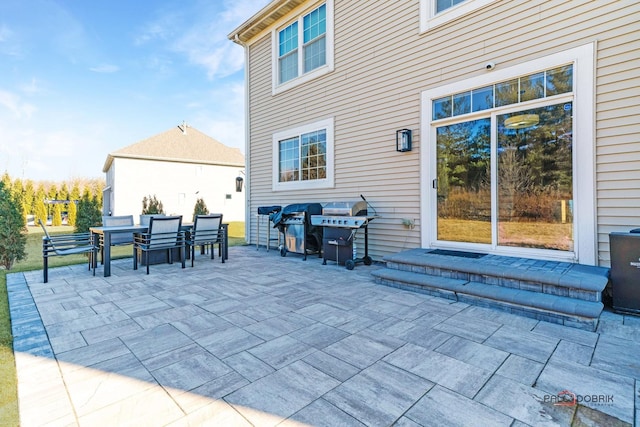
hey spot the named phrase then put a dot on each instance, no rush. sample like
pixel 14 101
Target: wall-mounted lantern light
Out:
pixel 403 140
pixel 239 182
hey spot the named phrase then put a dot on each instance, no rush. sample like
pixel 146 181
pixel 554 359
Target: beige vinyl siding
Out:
pixel 618 129
pixel 383 63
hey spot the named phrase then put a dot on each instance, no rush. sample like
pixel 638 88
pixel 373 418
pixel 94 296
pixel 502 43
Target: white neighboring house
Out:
pixel 178 166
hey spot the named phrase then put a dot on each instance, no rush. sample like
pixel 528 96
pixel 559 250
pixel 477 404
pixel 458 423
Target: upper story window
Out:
pixel 304 49
pixel 308 38
pixel 442 5
pixel 288 46
pixel 303 156
pixel 438 12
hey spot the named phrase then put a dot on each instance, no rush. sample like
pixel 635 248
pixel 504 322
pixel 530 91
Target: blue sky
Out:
pixel 80 79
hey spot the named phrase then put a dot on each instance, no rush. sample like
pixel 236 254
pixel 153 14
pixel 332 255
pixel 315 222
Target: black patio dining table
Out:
pixel 107 232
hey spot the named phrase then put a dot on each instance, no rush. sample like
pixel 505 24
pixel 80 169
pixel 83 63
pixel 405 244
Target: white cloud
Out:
pixel 200 33
pixel 8 43
pixel 224 120
pixel 160 64
pixel 156 30
pixel 15 105
pixel 236 12
pixel 105 68
pixel 31 87
pixel 5 33
pixel 220 61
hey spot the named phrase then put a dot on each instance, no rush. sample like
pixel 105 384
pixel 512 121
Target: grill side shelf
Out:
pixel 343 221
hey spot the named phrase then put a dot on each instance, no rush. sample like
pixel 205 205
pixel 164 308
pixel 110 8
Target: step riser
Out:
pixel 499 281
pixel 588 324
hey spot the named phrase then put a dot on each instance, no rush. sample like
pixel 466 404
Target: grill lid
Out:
pixel 357 208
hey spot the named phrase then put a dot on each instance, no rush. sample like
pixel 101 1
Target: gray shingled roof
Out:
pixel 175 145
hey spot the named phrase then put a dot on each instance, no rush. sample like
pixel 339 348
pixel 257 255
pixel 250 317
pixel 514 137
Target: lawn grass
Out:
pixel 9 415
pixel 523 234
pixel 8 381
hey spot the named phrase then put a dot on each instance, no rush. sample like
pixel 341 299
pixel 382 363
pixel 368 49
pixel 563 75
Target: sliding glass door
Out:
pixel 535 178
pixel 505 163
pixel 507 179
pixel 508 161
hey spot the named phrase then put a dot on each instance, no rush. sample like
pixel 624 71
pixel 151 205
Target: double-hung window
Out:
pixel 304 48
pixel 303 156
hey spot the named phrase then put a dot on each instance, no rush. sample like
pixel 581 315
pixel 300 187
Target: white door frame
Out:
pixel 585 225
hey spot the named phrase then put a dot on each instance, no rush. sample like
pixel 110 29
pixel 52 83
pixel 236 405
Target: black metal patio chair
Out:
pixel 207 231
pixel 163 235
pixel 67 244
pixel 117 239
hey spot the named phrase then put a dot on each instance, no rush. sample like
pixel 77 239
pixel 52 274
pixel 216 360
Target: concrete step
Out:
pixel 550 277
pixel 557 292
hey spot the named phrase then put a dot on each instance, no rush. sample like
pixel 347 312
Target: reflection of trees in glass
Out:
pixel 304 158
pixel 535 165
pixel 313 155
pixel 482 98
pixel 532 87
pixel 560 80
pixel 312 159
pixel 461 103
pixel 507 93
pixel 514 179
pixel 442 107
pixel 289 158
pixel 464 153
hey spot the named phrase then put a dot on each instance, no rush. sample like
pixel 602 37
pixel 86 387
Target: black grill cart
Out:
pixel 341 221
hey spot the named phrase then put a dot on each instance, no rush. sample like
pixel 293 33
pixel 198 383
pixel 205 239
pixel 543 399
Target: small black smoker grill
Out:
pixel 341 221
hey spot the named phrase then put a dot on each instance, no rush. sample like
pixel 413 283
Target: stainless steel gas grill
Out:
pixel 300 236
pixel 341 221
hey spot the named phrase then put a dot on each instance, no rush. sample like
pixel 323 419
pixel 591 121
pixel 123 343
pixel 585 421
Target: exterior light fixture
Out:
pixel 403 140
pixel 521 121
pixel 239 182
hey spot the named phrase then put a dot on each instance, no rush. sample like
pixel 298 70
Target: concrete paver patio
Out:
pixel 265 340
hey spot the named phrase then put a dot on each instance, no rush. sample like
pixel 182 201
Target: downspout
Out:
pixel 247 135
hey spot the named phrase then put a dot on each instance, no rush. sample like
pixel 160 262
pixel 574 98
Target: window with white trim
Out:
pixel 442 5
pixel 438 12
pixel 303 156
pixel 304 48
